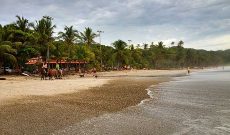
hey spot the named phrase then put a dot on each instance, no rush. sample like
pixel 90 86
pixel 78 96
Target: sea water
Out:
pixel 197 104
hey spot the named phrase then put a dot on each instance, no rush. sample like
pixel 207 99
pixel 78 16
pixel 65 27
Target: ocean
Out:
pixel 197 104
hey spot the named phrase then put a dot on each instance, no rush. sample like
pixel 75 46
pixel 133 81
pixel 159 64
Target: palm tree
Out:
pixel 88 36
pixel 17 31
pixel 7 56
pixel 69 36
pixel 172 43
pixel 180 43
pixel 180 54
pixel 7 32
pixel 22 24
pixel 1 33
pixel 120 52
pixel 159 54
pixel 146 46
pixel 44 28
pixel 160 45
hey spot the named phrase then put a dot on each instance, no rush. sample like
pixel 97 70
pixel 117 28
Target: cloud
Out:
pixel 142 21
pixel 212 43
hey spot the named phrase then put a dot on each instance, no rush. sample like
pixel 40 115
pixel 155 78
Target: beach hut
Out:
pixel 73 64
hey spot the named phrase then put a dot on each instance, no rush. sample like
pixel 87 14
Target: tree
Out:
pixel 172 43
pixel 44 28
pixel 7 56
pixel 108 61
pixel 180 54
pixel 1 33
pixel 69 36
pixel 120 52
pixel 22 24
pixel 160 45
pixel 136 58
pixel 6 32
pixel 159 54
pixel 88 36
pixel 180 43
pixel 83 54
pixel 145 46
pixel 21 31
pixel 59 51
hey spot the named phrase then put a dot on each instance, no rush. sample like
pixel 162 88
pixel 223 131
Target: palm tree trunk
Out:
pixel 68 65
pixel 48 56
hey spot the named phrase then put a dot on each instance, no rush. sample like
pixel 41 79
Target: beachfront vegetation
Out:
pixel 22 40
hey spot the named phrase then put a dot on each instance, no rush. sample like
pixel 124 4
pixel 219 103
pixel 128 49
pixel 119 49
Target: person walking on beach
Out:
pixel 95 72
pixel 44 71
pixel 57 66
pixel 188 70
pixel 44 66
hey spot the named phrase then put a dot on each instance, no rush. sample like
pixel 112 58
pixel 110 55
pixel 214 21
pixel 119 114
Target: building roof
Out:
pixel 33 61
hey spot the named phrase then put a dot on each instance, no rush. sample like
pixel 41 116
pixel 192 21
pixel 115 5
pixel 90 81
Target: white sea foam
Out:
pixel 150 93
pixel 224 111
pixel 226 129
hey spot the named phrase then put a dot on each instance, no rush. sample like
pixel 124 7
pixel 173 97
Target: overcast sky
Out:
pixel 201 24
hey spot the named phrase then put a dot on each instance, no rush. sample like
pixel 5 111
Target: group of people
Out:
pixel 45 66
pixel 57 72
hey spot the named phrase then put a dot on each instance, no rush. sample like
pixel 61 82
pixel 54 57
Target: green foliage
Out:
pixel 120 53
pixel 69 36
pixel 1 33
pixel 83 53
pixel 87 37
pixel 7 55
pixel 44 30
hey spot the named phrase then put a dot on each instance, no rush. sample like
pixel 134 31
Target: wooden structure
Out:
pixel 62 63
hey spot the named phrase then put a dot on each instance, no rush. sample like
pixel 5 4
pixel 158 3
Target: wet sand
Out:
pixel 46 114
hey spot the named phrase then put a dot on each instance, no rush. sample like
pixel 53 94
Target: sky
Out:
pixel 201 24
